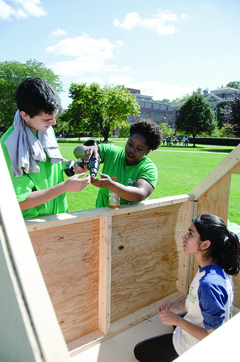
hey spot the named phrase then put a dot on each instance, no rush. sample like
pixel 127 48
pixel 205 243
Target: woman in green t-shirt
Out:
pixel 136 173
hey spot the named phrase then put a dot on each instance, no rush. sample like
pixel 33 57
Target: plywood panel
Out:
pixel 236 281
pixel 144 258
pixel 215 200
pixel 185 261
pixel 225 167
pixel 68 259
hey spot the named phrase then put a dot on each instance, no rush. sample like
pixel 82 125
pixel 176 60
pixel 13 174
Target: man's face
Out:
pixel 41 122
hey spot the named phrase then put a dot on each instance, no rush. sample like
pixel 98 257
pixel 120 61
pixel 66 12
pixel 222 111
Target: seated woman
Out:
pixel 137 175
pixel 210 300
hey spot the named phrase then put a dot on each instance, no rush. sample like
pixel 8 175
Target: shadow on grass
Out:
pixel 203 148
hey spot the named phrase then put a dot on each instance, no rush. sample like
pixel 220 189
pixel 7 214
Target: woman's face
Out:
pixel 135 149
pixel 191 241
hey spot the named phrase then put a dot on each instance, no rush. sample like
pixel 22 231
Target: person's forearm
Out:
pixel 130 193
pixel 195 331
pixel 181 305
pixel 36 198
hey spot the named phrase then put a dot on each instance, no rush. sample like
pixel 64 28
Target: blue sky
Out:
pixel 164 48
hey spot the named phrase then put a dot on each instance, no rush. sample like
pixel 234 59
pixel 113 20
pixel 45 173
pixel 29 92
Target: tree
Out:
pixel 166 129
pixel 184 98
pixel 234 84
pixel 99 110
pixel 196 116
pixel 124 130
pixel 11 74
pixel 231 114
pixel 220 118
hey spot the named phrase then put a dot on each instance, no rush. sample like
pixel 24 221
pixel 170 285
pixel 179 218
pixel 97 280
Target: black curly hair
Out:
pixel 149 130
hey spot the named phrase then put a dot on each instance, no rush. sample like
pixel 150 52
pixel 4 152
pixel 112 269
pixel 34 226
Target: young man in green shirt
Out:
pixel 32 153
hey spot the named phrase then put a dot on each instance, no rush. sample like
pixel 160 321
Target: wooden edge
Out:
pixel 194 212
pixel 31 336
pixel 28 275
pixel 217 173
pixel 185 262
pixel 105 233
pixel 142 314
pixel 235 310
pixel 86 215
pixel 90 340
pixel 81 344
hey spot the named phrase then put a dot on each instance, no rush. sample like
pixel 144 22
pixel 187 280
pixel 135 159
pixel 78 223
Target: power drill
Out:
pixel 92 165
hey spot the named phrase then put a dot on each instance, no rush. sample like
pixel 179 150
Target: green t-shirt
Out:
pixel 115 166
pixel 50 175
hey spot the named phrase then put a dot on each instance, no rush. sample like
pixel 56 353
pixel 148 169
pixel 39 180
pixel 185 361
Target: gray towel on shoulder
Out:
pixel 25 150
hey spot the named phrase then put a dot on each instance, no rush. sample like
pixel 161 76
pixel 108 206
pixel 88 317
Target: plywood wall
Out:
pixel 69 260
pixel 144 258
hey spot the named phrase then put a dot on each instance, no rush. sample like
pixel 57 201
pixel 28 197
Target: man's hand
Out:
pixel 75 184
pixel 77 169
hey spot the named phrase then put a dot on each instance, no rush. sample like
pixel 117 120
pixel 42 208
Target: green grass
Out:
pixel 178 172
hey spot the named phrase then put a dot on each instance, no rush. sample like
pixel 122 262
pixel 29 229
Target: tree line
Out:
pixel 99 110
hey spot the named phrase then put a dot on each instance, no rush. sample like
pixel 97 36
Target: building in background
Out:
pixel 157 111
pixel 214 97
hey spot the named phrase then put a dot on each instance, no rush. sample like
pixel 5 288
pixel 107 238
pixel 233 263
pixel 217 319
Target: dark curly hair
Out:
pixel 149 130
pixel 224 248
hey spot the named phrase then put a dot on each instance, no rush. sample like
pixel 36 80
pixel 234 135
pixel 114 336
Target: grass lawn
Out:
pixel 180 169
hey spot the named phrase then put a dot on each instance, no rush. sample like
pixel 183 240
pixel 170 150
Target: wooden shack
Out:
pixel 72 280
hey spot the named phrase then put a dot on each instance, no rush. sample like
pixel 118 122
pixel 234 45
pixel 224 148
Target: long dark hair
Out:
pixel 224 248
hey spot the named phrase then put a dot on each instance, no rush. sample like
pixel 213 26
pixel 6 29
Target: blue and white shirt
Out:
pixel 209 304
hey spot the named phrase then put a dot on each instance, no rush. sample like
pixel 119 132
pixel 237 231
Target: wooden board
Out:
pixel 223 168
pixel 144 258
pixel 216 199
pixel 29 327
pixel 185 261
pixel 68 258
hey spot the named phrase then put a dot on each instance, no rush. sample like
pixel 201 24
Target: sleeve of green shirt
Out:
pixel 23 185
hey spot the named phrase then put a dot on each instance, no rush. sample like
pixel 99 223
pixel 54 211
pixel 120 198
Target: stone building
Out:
pixel 214 97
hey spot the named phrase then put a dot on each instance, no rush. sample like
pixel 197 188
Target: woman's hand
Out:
pixel 169 318
pixel 103 182
pixel 172 307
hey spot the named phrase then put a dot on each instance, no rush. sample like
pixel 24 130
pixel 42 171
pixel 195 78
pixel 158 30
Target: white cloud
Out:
pixel 120 79
pixel 158 90
pixel 90 80
pixel 83 46
pixel 79 66
pixel 157 23
pixel 23 9
pixel 120 42
pixel 115 69
pixel 130 21
pixel 58 32
pixel 90 55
